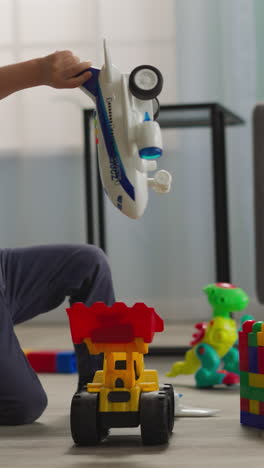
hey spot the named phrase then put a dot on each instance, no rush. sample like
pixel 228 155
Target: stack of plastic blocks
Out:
pixel 251 356
pixel 61 362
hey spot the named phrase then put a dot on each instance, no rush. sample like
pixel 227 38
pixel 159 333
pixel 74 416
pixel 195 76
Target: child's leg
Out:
pixel 37 279
pixel 22 398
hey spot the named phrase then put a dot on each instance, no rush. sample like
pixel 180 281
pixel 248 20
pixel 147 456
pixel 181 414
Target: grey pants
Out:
pixel 33 281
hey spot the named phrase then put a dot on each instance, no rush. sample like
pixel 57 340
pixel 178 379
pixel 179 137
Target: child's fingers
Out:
pixel 78 80
pixel 76 69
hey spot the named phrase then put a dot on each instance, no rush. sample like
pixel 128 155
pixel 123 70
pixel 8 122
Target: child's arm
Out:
pixel 58 70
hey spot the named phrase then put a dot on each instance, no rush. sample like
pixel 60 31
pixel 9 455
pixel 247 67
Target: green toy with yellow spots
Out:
pixel 214 357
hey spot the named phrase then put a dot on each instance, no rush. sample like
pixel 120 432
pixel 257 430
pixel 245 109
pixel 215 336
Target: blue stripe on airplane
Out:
pixel 111 146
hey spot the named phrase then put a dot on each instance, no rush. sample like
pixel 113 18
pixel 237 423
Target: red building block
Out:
pixel 261 359
pixel 116 324
pixel 243 351
pixel 244 404
pixel 261 408
pixel 247 326
pixel 43 361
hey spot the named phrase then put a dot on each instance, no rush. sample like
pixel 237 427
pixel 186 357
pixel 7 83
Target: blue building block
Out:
pixel 253 359
pixel 254 420
pixel 66 362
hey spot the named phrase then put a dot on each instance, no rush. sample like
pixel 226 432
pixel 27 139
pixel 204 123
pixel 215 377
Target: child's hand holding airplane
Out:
pixel 64 70
pixel 60 70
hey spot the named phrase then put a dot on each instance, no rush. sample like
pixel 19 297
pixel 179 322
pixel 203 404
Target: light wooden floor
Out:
pixel 213 442
pixel 58 335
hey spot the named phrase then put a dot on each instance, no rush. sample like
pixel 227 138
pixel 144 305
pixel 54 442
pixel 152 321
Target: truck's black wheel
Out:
pixel 155 414
pixel 85 421
pixel 170 391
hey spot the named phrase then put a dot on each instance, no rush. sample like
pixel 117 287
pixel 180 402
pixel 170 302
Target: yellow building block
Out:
pixel 260 338
pixel 254 406
pixel 256 380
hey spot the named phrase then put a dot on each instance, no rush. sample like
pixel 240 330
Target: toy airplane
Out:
pixel 128 138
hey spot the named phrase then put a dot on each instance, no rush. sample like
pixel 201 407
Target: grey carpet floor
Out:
pixel 217 441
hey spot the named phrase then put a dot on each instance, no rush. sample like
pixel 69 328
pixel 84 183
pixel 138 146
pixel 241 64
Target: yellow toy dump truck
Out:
pixel 123 394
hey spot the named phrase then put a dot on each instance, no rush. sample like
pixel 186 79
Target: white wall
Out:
pixel 41 131
pixel 216 61
pixel 46 118
pixel 205 50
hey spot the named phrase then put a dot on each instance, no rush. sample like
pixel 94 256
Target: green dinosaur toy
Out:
pixel 213 357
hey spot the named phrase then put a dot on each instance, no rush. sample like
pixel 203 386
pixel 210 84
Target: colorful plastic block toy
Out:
pixel 62 362
pixel 127 135
pixel 213 342
pixel 251 353
pixel 123 394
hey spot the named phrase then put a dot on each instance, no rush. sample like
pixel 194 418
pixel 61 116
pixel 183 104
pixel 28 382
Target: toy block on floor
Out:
pixel 250 419
pixel 66 362
pixel 253 359
pixel 52 361
pixel 251 355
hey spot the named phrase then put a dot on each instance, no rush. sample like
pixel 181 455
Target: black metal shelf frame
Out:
pixel 212 115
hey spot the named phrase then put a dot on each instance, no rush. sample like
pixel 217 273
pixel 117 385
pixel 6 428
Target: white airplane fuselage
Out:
pixel 120 128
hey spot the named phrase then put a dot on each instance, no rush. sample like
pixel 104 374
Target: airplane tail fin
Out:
pixel 108 64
